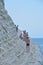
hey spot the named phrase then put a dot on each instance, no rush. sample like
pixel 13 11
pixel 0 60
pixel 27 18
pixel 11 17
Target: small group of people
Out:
pixel 25 37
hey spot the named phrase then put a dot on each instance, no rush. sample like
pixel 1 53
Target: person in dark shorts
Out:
pixel 27 44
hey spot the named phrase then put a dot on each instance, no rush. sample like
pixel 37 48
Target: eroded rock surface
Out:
pixel 12 48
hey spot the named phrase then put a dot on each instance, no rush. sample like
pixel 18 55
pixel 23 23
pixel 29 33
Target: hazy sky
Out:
pixel 28 14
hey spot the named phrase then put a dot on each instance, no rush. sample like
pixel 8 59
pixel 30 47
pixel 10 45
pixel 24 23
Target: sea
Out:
pixel 38 41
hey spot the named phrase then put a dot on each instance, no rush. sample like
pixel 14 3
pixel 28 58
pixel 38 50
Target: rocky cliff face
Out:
pixel 12 48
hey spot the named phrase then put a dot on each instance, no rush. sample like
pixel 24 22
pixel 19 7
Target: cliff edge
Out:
pixel 12 48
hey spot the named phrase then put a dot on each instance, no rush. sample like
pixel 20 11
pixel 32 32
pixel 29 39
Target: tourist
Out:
pixel 21 36
pixel 27 40
pixel 17 28
pixel 24 35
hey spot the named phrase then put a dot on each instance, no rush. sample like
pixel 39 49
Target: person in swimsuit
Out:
pixel 27 40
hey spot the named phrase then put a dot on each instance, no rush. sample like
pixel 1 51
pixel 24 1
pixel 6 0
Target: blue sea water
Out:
pixel 39 41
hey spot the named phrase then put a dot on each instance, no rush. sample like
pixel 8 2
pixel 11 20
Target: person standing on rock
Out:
pixel 21 37
pixel 17 28
pixel 27 40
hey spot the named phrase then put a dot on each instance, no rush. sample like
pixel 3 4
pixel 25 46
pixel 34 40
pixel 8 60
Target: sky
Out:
pixel 28 14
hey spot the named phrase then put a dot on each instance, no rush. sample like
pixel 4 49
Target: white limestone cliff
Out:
pixel 12 48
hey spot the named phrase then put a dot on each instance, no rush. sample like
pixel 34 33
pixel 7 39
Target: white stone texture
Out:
pixel 12 48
